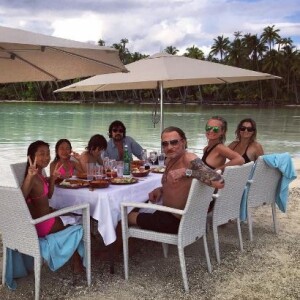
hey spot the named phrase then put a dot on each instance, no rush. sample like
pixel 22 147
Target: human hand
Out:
pixel 56 173
pixel 75 155
pixel 32 170
pixel 175 175
pixel 155 195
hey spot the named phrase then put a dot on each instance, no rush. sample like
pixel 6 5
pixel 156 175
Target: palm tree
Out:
pixel 171 50
pixel 101 42
pixel 270 36
pixel 220 46
pixel 194 52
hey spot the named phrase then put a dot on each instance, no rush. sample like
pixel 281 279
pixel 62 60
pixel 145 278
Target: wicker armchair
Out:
pixel 18 170
pixel 262 190
pixel 19 233
pixel 228 199
pixel 192 226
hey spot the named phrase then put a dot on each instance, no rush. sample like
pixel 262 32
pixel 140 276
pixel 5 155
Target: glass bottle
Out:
pixel 126 160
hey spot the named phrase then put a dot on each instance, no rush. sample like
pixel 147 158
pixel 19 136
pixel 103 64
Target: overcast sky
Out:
pixel 152 25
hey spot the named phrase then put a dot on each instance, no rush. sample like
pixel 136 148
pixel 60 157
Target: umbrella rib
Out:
pixel 87 58
pixel 14 56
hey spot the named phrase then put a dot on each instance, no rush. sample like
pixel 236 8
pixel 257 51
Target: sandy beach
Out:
pixel 268 268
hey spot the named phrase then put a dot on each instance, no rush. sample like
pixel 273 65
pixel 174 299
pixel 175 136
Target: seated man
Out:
pixel 118 139
pixel 181 167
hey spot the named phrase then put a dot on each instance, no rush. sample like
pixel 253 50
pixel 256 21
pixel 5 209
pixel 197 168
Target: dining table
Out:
pixel 105 203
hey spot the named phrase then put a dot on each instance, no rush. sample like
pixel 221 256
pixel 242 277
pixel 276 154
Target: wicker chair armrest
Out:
pixel 153 206
pixel 84 207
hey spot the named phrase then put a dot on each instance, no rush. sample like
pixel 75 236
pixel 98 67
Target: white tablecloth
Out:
pixel 105 203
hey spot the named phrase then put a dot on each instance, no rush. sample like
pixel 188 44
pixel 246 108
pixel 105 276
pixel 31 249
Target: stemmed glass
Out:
pixel 153 156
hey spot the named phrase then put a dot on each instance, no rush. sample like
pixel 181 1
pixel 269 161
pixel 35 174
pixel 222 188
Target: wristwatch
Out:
pixel 188 172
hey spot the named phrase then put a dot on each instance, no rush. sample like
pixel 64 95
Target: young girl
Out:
pixel 62 162
pixel 96 144
pixel 37 191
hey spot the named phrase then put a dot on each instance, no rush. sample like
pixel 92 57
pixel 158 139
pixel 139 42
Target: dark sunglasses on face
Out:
pixel 249 129
pixel 215 129
pixel 120 130
pixel 172 143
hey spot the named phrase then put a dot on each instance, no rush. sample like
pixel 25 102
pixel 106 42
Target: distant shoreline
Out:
pixel 206 103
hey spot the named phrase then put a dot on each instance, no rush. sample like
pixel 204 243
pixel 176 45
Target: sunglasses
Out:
pixel 120 130
pixel 172 143
pixel 215 129
pixel 249 129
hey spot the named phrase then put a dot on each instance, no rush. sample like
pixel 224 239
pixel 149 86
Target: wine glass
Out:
pixel 153 156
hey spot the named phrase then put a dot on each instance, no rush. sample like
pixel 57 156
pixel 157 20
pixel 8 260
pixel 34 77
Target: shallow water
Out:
pixel 23 123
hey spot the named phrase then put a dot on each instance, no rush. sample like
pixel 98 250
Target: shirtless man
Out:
pixel 181 167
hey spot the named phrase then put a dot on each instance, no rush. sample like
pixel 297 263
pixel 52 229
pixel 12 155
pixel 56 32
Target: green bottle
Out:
pixel 126 161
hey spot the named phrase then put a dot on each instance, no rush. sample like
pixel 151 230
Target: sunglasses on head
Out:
pixel 249 129
pixel 215 129
pixel 172 143
pixel 120 130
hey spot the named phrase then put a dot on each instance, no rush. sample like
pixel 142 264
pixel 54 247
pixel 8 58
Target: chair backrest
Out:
pixel 193 222
pixel 227 205
pixel 264 183
pixel 15 227
pixel 18 170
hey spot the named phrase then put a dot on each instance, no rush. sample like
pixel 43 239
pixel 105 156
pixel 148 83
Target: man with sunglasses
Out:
pixel 118 139
pixel 181 167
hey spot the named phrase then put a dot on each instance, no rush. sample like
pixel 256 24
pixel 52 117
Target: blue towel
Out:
pixel 56 248
pixel 283 162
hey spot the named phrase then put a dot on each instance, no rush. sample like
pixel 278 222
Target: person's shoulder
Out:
pixel 232 144
pixel 190 156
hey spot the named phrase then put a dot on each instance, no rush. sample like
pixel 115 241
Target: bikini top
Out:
pixel 45 190
pixel 244 156
pixel 63 172
pixel 206 153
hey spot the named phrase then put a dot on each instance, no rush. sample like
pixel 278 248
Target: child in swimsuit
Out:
pixel 66 166
pixel 37 191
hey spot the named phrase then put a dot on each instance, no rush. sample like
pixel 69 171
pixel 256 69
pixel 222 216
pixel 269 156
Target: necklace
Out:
pixel 169 167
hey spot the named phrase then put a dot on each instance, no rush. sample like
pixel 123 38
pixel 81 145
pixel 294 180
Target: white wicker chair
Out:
pixel 18 170
pixel 19 233
pixel 262 190
pixel 192 226
pixel 228 199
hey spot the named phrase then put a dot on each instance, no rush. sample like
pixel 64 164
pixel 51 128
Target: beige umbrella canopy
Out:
pixel 27 56
pixel 166 71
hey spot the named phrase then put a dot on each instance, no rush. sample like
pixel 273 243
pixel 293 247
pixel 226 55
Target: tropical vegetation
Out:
pixel 267 52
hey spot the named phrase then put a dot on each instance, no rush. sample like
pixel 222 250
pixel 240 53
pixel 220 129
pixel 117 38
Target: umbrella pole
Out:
pixel 161 106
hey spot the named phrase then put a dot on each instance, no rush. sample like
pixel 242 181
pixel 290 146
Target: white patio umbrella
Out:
pixel 166 71
pixel 27 56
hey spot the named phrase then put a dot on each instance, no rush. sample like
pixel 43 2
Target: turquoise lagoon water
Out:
pixel 23 123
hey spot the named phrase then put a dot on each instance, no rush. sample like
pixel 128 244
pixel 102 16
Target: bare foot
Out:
pixel 77 266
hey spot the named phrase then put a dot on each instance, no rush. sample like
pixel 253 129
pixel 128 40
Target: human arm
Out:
pixel 28 180
pixel 258 150
pixel 135 148
pixel 233 158
pixel 155 195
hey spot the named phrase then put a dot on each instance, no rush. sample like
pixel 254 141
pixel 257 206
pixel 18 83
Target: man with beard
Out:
pixel 118 139
pixel 181 167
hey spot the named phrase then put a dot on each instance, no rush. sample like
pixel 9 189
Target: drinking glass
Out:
pixel 99 172
pixel 90 168
pixel 120 168
pixel 153 156
pixel 161 159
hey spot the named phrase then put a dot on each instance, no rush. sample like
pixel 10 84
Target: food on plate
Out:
pixel 140 173
pixel 123 180
pixel 158 170
pixel 72 183
pixel 101 183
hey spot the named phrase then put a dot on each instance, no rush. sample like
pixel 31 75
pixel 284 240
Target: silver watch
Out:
pixel 188 172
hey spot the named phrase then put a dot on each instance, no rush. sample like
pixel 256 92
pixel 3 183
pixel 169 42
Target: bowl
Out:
pixel 140 173
pixel 99 184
